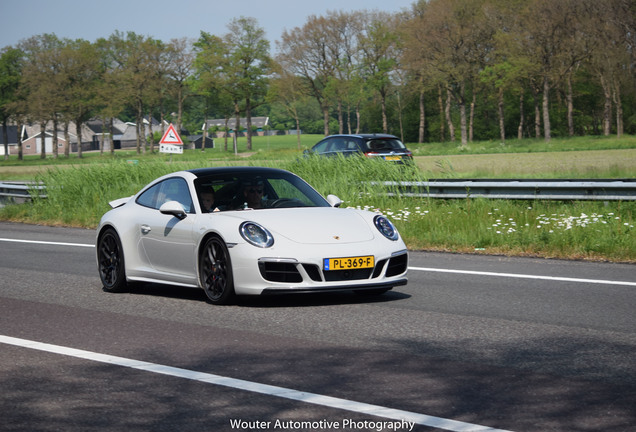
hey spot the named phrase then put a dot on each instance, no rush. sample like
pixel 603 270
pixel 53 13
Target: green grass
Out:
pixel 527 146
pixel 79 191
pixel 579 230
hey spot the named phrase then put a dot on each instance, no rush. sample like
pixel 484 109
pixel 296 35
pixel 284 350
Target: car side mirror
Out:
pixel 334 201
pixel 173 208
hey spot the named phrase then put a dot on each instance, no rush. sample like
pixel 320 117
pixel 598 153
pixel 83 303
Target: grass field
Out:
pixel 79 190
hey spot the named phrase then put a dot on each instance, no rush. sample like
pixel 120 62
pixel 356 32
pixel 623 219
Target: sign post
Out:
pixel 171 142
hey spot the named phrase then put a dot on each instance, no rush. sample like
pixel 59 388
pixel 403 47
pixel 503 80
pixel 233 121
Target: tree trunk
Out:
pixel 101 137
pixel 537 113
pixel 420 137
pixel 55 152
pixel 570 105
pixel 442 126
pixel 237 114
pixel 297 129
pixel 179 109
pixel 110 135
pixel 205 134
pixel 547 133
pixel 340 118
pixel 138 142
pixel 151 134
pixel 5 137
pixel 78 132
pixel 385 123
pixel 325 118
pixel 522 117
pixel 449 120
pixel 139 126
pixel 619 110
pixel 462 115
pixel 471 122
pixel 248 117
pixel 607 108
pixel 43 140
pixel 400 122
pixel 67 138
pixel 19 130
pixel 226 133
pixel 500 111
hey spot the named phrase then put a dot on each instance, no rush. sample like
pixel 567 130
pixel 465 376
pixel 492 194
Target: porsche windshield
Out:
pixel 255 190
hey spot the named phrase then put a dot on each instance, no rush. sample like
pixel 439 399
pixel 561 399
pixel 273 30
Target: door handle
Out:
pixel 145 229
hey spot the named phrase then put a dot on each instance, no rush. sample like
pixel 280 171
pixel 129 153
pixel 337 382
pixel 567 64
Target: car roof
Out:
pixel 365 136
pixel 202 172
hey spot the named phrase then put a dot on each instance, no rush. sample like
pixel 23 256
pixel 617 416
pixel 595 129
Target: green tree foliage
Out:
pixel 10 71
pixel 489 68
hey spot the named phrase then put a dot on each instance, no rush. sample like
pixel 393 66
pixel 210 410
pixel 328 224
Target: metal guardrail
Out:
pixel 567 190
pixel 19 192
pixel 585 190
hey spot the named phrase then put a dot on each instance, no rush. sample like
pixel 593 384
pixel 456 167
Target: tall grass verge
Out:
pixel 78 196
pixel 551 229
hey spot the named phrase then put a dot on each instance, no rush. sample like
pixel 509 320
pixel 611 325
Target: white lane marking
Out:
pixel 429 269
pixel 525 276
pixel 313 398
pixel 46 242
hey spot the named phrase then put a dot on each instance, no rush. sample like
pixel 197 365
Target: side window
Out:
pixel 174 189
pixel 337 145
pixel 352 145
pixel 321 147
pixel 149 198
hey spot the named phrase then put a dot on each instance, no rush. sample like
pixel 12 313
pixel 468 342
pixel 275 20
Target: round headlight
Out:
pixel 385 226
pixel 256 234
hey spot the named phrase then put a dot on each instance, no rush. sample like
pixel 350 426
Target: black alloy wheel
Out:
pixel 215 271
pixel 110 258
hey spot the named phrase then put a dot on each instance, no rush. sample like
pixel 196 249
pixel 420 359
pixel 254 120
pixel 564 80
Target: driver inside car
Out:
pixel 252 195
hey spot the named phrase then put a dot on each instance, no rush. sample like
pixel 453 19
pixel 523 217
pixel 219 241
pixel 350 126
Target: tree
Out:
pixel 379 45
pixel 80 73
pixel 110 100
pixel 455 40
pixel 309 52
pixel 287 91
pixel 414 60
pixel 10 72
pixel 179 63
pixel 42 83
pixel 613 40
pixel 249 64
pixel 544 32
pixel 138 60
pixel 211 75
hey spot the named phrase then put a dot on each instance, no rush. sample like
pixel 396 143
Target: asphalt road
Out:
pixel 471 343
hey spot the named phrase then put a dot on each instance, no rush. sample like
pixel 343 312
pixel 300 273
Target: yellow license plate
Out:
pixel 349 263
pixel 393 158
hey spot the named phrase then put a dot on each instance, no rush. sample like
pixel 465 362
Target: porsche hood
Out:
pixel 313 225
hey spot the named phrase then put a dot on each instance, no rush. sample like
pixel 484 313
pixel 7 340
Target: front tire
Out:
pixel 215 271
pixel 110 259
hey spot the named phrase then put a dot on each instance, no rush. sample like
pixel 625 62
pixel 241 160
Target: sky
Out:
pixel 163 19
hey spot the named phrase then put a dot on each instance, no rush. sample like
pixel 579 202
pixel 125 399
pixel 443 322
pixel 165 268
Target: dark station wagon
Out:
pixel 387 147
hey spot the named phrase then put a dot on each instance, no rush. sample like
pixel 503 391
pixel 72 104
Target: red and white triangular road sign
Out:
pixel 171 137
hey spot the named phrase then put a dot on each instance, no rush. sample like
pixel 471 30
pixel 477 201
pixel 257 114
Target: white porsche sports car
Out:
pixel 246 231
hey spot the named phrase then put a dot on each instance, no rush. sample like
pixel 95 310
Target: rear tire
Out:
pixel 110 259
pixel 215 272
